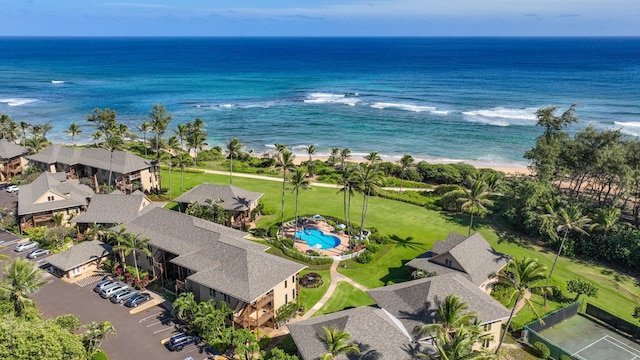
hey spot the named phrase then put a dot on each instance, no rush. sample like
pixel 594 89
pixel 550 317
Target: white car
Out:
pixel 12 188
pixel 26 246
pixel 37 252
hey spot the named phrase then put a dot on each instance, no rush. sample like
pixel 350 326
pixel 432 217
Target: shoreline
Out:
pixel 509 168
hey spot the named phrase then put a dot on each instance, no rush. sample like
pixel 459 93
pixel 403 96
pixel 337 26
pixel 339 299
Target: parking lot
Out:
pixel 139 336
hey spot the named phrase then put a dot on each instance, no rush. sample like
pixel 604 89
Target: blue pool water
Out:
pixel 317 239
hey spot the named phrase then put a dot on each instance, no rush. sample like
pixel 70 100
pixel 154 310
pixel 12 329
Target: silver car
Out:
pixel 37 253
pixel 26 246
pixel 123 295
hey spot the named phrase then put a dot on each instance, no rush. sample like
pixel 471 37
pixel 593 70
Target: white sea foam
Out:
pixel 500 116
pixel 17 102
pixel 407 107
pixel 324 98
pixel 634 124
pixel 57 81
pixel 226 106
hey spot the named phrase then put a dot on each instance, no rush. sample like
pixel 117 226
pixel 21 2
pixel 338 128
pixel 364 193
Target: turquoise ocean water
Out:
pixel 470 99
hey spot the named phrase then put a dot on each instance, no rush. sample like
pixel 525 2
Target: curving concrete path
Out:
pixel 336 277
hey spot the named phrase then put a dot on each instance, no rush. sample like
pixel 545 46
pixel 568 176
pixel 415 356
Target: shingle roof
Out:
pixel 222 259
pixel 474 254
pixel 124 162
pixel 79 254
pixel 9 150
pixel 228 196
pixel 74 193
pixel 373 330
pixel 113 208
pixel 414 302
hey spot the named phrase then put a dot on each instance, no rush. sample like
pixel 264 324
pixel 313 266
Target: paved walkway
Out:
pixel 313 183
pixel 336 277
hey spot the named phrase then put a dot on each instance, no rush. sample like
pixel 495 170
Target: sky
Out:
pixel 320 18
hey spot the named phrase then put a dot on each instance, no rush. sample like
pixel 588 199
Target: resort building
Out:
pixel 415 303
pixel 129 172
pixel 51 196
pixel 108 210
pixel 79 259
pixel 12 160
pixel 378 334
pixel 237 202
pixel 472 256
pixel 216 262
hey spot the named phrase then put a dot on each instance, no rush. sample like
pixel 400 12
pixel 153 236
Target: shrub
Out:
pixel 311 280
pixel 287 242
pixel 443 189
pixel 449 201
pixel 565 357
pixel 542 350
pixel 274 230
pixel 365 257
pixel 263 342
pixel 373 247
pixel 379 238
pixel 261 232
pixel 99 355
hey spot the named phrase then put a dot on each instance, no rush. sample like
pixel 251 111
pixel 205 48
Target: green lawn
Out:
pixel 308 296
pixel 345 297
pixel 415 230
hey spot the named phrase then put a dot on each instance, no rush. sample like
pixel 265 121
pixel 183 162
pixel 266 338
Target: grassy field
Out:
pixel 415 230
pixel 345 297
pixel 308 296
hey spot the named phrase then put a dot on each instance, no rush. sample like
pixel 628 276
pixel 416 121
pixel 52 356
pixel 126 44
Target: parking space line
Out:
pixel 163 330
pixel 155 323
pixel 150 316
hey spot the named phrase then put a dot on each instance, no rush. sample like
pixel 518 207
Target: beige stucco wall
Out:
pixel 83 270
pixel 148 180
pixel 494 333
pixel 441 259
pixel 282 292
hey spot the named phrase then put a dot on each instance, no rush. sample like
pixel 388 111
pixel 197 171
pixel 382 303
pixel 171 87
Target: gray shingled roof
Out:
pixel 124 162
pixel 373 330
pixel 114 208
pixel 474 254
pixel 79 254
pixel 9 150
pixel 74 194
pixel 228 196
pixel 414 302
pixel 222 259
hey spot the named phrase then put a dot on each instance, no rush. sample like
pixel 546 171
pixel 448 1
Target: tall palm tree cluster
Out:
pixel 15 132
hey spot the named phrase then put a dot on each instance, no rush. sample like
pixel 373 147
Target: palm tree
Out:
pixel 337 343
pixel 11 131
pixel 568 219
pixel 476 198
pixel 112 142
pixel 406 163
pixel 344 155
pixel 159 118
pixel 368 179
pixel 333 158
pixel 96 136
pixel 96 333
pixel 36 144
pixel 452 315
pixel 24 126
pixel 182 132
pixel 131 243
pixel 185 307
pixel 460 347
pixel 183 160
pixel 169 147
pixel 522 276
pixel 310 149
pixel 606 220
pixel 115 238
pixel 348 185
pixel 21 278
pixel 234 148
pixel 298 181
pixel 197 141
pixel 145 128
pixel 373 157
pixel 73 130
pixel 284 162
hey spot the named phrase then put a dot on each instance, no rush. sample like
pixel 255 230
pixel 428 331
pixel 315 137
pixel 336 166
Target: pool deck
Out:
pixel 290 232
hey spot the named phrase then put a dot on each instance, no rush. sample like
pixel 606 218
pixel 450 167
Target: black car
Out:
pixel 179 341
pixel 137 300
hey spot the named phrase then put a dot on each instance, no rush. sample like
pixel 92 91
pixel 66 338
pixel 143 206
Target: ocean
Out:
pixel 438 99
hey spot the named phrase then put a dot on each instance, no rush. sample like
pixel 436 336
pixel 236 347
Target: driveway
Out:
pixel 139 336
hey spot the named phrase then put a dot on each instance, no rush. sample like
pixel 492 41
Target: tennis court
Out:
pixel 585 339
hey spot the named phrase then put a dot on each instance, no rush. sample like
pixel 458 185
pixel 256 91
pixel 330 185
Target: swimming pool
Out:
pixel 317 239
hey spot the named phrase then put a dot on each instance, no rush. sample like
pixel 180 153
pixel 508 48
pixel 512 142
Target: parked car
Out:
pixel 108 291
pixel 26 246
pixel 37 253
pixel 4 186
pixel 179 341
pixel 12 188
pixel 138 299
pixel 102 284
pixel 122 296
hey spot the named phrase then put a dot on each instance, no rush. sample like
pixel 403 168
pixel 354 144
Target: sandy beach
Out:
pixel 509 169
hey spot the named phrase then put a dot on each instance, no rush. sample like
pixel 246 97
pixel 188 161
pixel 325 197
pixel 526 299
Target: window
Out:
pixel 226 298
pixel 212 292
pixel 50 198
pixel 285 284
pixel 293 279
pixel 293 294
pixel 286 298
pixel 485 342
pixel 448 262
pixel 75 270
pixel 487 327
